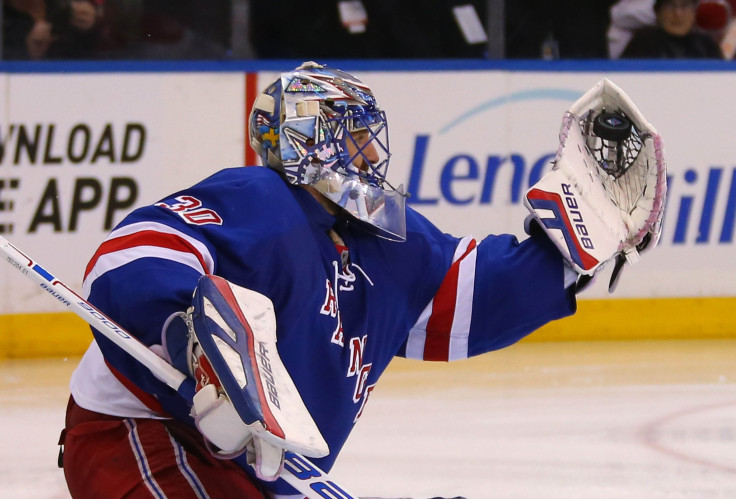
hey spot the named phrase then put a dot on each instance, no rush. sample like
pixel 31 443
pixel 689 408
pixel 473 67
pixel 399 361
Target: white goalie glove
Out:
pixel 245 400
pixel 604 198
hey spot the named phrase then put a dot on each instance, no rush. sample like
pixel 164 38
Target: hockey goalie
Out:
pixel 283 290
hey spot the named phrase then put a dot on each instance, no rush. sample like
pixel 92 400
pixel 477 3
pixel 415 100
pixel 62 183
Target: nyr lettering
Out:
pixel 360 371
pixel 329 308
pixel 346 278
pixel 356 367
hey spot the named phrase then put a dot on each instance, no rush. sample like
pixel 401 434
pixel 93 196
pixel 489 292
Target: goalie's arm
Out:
pixel 234 422
pixel 140 299
pixel 494 292
pixel 146 273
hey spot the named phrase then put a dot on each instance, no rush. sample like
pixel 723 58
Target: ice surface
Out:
pixel 555 420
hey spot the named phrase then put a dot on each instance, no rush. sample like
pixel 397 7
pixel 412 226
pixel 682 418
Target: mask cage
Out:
pixel 366 133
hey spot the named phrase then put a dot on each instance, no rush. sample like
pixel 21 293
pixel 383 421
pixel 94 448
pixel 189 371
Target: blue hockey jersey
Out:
pixel 340 321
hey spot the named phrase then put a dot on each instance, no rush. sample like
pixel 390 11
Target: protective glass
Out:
pixel 373 205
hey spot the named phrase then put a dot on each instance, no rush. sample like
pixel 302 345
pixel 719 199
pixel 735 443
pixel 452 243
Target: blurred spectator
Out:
pixel 728 41
pixel 432 28
pixel 369 29
pixel 49 29
pixel 628 16
pixel 164 29
pixel 273 36
pixel 713 18
pixel 557 29
pixel 674 36
pixel 74 27
pixel 20 17
pixel 178 29
pixel 116 29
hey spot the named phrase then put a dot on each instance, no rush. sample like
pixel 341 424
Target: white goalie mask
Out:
pixel 322 127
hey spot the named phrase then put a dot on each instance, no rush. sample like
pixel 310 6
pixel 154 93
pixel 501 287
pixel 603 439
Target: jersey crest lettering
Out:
pixel 368 390
pixel 357 368
pixel 330 305
pixel 360 382
pixel 357 347
pixel 329 308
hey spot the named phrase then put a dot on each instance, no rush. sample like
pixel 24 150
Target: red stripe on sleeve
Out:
pixel 145 238
pixel 439 325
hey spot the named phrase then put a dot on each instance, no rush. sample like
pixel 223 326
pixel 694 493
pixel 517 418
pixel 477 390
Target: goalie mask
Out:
pixel 322 127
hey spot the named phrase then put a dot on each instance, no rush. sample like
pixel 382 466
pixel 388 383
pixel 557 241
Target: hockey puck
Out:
pixel 612 126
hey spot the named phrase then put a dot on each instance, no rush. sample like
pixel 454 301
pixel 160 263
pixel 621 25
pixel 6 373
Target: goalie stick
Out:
pixel 299 472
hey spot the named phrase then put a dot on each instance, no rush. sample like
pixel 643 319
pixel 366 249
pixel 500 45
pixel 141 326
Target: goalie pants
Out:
pixel 112 457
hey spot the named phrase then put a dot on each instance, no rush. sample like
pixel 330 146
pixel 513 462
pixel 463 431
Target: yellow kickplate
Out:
pixel 645 319
pixel 43 335
pixel 66 335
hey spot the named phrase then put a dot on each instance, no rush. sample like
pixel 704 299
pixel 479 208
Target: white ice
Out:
pixel 537 420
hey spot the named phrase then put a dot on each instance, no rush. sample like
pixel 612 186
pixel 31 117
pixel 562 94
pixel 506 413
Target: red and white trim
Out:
pixel 442 331
pixel 142 240
pixel 94 385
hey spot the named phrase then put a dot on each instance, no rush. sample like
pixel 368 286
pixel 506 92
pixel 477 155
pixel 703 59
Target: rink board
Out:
pixel 66 335
pixel 467 141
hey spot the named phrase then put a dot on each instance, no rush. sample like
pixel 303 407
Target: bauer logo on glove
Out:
pixel 604 197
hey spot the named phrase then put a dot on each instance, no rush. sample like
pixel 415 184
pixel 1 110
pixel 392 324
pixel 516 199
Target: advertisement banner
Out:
pixel 80 150
pixel 469 144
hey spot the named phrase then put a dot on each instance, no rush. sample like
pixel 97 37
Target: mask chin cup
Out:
pixel 382 212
